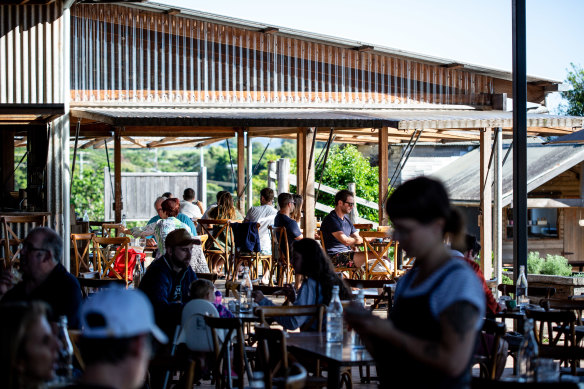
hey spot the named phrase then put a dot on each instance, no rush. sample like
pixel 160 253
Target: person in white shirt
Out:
pixel 264 215
pixel 190 206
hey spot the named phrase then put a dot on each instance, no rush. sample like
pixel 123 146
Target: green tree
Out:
pixel 575 96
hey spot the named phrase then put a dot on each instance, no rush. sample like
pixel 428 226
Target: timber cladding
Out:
pixel 121 53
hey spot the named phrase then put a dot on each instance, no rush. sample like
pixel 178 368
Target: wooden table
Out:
pixel 336 355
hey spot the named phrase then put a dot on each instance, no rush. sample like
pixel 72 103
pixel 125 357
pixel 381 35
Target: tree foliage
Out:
pixel 575 96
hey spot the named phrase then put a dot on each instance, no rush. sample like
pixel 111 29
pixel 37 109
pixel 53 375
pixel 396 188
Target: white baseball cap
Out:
pixel 119 313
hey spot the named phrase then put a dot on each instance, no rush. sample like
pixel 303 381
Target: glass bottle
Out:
pixel 85 216
pixel 334 318
pixel 521 289
pixel 65 360
pixel 528 352
pixel 355 339
pixel 246 289
pixel 124 220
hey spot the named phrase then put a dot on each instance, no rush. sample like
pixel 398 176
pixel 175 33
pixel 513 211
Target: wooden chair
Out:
pixel 280 256
pixel 222 356
pixel 482 383
pixel 208 276
pixel 180 364
pixel 112 230
pixel 556 325
pixel 106 250
pixel 488 363
pixel 14 231
pixel 81 244
pixel 219 244
pixel 378 253
pixel 272 359
pixel 316 312
pixel 533 291
pixel 251 260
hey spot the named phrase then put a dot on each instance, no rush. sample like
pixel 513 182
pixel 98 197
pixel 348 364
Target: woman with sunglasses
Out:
pixel 432 329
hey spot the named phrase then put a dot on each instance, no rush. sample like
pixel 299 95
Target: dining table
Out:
pixel 336 355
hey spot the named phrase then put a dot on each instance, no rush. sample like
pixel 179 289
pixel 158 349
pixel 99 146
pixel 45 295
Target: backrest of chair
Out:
pixel 315 311
pixel 272 352
pixel 497 330
pixel 565 320
pixel 81 248
pixel 14 231
pixel 195 332
pixel 378 253
pixel 217 231
pixel 574 305
pixel 232 326
pixel 296 378
pixel 280 247
pixel 111 230
pixel 102 249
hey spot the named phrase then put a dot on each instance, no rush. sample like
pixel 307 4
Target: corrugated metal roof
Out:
pixel 293 118
pixel 336 41
pixel 544 162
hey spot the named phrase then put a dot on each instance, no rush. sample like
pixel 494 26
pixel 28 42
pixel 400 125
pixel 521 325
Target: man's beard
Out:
pixel 178 263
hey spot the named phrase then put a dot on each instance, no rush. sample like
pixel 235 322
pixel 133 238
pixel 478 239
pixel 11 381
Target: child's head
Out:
pixel 202 289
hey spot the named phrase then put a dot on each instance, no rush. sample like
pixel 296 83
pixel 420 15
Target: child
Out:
pixel 204 289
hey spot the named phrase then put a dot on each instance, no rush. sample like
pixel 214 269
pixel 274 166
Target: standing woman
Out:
pixel 168 223
pixel 223 211
pixel 29 349
pixel 430 336
pixel 311 263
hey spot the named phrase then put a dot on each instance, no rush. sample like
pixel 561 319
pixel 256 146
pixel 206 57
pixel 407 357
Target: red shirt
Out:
pixel 492 304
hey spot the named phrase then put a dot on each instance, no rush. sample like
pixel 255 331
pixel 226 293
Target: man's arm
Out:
pixel 347 240
pixel 449 354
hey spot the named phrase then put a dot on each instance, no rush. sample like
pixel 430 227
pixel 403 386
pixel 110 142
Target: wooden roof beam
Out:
pixel 100 145
pixel 91 143
pixel 158 142
pixel 130 139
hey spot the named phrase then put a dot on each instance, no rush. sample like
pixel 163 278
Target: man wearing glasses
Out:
pixel 43 276
pixel 339 234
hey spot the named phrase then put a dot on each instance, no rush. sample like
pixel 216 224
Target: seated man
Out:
pixel 115 342
pixel 282 219
pixel 181 216
pixel 190 206
pixel 44 277
pixel 167 280
pixel 264 215
pixel 339 235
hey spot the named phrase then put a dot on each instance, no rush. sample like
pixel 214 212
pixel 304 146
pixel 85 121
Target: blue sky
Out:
pixel 472 31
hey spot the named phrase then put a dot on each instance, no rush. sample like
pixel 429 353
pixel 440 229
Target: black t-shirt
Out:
pixel 60 291
pixel 292 230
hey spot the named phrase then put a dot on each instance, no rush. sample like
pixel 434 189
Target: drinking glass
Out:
pixel 548 370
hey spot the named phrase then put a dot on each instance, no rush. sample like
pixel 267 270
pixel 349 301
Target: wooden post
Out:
pixel 383 174
pixel 301 159
pixel 486 201
pixel 240 172
pixel 118 175
pixel 283 173
pixel 498 211
pixel 272 175
pixel 354 212
pixel 309 220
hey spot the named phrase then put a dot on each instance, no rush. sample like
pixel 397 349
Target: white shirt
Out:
pixel 264 215
pixel 191 210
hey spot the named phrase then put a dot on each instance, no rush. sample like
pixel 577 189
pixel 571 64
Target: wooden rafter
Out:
pixel 130 139
pixel 91 143
pixel 161 141
pixel 100 145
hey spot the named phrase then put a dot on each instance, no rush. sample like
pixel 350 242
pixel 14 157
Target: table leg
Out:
pixel 334 375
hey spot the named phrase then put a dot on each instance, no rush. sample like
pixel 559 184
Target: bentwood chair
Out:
pixel 81 244
pixel 219 245
pixel 253 259
pixel 352 272
pixel 106 250
pixel 280 256
pixel 316 313
pixel 14 231
pixel 222 361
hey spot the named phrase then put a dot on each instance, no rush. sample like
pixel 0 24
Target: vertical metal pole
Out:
pixel 118 175
pixel 486 178
pixel 498 219
pixel 383 173
pixel 519 138
pixel 249 173
pixel 240 172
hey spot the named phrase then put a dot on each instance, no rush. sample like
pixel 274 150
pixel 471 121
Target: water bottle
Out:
pixel 124 220
pixel 355 339
pixel 334 318
pixel 521 289
pixel 65 361
pixel 528 352
pixel 246 289
pixel 85 216
pixel 257 381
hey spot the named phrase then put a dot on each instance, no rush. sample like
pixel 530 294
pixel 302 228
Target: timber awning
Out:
pixel 544 162
pixel 25 114
pixel 351 125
